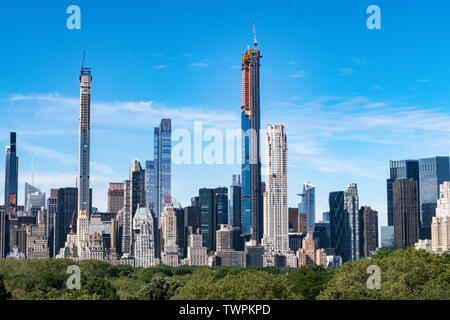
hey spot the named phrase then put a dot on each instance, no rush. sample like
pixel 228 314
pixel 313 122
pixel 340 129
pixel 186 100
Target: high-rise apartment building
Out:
pixel 406 212
pixel 168 226
pixel 115 197
pixel 84 140
pixel 252 204
pixel 308 205
pixel 52 210
pixel 144 239
pixel 158 184
pixel 191 223
pixel 402 169
pixel 221 206
pixel 440 226
pixel 351 209
pixel 196 252
pixel 432 173
pixel 369 228
pixel 276 219
pixel 37 242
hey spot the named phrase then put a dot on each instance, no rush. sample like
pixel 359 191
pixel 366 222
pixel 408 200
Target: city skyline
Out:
pixel 339 155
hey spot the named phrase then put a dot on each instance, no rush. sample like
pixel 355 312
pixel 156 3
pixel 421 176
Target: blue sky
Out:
pixel 351 98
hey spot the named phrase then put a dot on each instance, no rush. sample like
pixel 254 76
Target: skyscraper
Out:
pixel 406 212
pixel 66 216
pixel 207 218
pixel 235 202
pixel 162 166
pixel 52 209
pixel 440 226
pixel 339 226
pixel 351 209
pixel 144 240
pixel 276 219
pixel 308 205
pixel 11 178
pixel 115 197
pixel 432 173
pixel 369 228
pixel 134 197
pixel 221 206
pixel 29 189
pixel 402 169
pixel 84 140
pixel 251 162
pixel 151 178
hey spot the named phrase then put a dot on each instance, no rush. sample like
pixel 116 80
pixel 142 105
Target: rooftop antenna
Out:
pixel 32 170
pixel 254 34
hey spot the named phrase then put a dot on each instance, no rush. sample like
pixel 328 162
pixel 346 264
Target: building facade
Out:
pixel 84 141
pixel 144 239
pixel 252 203
pixel 440 226
pixel 351 209
pixel 369 230
pixel 339 226
pixel 406 212
pixel 432 173
pixel 308 205
pixel 276 218
pixel 115 197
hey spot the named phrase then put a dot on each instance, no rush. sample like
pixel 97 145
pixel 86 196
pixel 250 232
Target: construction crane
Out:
pixel 71 221
pixel 254 34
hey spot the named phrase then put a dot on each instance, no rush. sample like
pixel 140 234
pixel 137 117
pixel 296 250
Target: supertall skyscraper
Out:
pixel 11 178
pixel 11 187
pixel 84 146
pixel 158 175
pixel 276 219
pixel 252 211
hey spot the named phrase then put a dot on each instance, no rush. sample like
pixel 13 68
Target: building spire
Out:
pixel 254 34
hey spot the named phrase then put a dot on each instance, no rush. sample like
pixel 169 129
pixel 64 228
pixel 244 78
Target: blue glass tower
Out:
pixel 158 180
pixel 432 173
pixel 246 204
pixel 402 169
pixel 339 226
pixel 308 205
pixel 11 178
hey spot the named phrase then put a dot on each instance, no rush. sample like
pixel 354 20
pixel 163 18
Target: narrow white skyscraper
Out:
pixel 276 218
pixel 84 136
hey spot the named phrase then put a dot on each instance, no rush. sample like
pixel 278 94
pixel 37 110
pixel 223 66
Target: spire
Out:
pixel 254 34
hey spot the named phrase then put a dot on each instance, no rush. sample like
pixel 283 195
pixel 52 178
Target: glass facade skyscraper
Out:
pixel 308 205
pixel 351 209
pixel 235 203
pixel 402 169
pixel 11 178
pixel 158 177
pixel 432 173
pixel 339 226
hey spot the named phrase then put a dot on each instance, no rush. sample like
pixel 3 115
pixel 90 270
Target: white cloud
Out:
pixel 346 71
pixel 299 74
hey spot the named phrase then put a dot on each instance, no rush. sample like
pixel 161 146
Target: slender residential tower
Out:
pixel 276 220
pixel 252 210
pixel 85 128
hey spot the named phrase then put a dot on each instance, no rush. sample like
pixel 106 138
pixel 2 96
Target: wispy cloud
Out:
pixel 346 71
pixel 161 66
pixel 299 74
pixel 200 64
